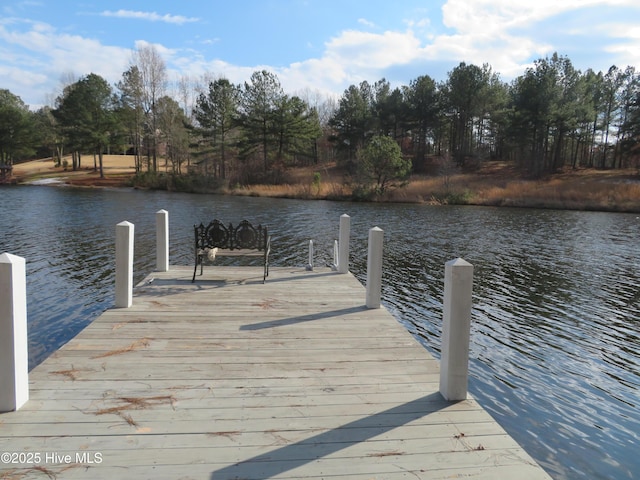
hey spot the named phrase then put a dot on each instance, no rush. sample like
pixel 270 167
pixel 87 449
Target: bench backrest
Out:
pixel 242 237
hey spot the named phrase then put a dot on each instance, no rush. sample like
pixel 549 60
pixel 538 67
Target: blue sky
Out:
pixel 314 45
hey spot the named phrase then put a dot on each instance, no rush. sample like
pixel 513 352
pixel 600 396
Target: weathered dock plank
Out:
pixel 230 378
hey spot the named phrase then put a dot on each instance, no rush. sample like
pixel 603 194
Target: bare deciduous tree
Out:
pixel 153 76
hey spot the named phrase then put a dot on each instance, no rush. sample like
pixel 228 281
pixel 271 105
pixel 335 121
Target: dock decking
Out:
pixel 228 378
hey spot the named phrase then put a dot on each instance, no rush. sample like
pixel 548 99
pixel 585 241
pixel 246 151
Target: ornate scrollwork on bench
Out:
pixel 218 239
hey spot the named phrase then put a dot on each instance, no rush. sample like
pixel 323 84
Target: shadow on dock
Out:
pixel 284 459
pixel 303 318
pixel 155 285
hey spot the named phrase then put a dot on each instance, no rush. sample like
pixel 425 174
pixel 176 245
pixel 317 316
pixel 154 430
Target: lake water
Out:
pixel 555 347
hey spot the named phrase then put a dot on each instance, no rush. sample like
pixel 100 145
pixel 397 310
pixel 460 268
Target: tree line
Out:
pixel 550 117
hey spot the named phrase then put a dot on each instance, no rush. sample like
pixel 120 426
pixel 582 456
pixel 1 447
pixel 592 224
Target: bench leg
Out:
pixel 266 268
pixel 195 269
pixel 266 271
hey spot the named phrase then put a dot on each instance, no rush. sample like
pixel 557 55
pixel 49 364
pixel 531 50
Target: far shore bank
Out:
pixel 494 184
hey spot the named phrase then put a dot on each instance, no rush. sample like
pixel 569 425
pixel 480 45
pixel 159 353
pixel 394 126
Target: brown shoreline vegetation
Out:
pixel 495 183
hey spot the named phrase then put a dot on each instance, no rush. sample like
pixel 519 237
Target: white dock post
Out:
pixel 14 358
pixel 124 264
pixel 310 264
pixel 374 268
pixel 456 326
pixel 162 241
pixel 343 243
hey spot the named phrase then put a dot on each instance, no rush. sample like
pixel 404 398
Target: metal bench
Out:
pixel 216 239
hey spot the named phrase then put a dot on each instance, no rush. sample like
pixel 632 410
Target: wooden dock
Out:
pixel 228 378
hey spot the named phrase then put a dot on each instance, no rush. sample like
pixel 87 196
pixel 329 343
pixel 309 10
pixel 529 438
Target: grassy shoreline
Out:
pixel 494 184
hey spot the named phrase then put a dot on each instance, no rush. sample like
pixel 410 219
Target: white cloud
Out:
pixel 22 77
pixel 475 16
pixel 150 16
pixel 370 50
pixel 325 75
pixel 366 23
pixel 488 31
pixel 40 55
pixel 421 24
pixel 350 58
pixel 500 32
pixel 195 66
pixel 628 47
pixel 165 52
